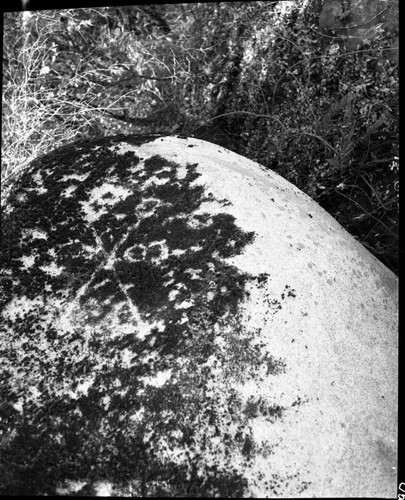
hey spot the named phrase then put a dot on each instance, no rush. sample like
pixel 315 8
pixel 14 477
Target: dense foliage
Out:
pixel 250 76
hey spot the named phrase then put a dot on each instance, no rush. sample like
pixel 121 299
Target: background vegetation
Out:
pixel 249 76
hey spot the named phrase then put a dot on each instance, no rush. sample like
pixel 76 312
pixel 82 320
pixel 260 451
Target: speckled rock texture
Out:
pixel 178 321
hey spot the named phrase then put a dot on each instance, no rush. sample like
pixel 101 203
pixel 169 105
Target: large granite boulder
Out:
pixel 178 321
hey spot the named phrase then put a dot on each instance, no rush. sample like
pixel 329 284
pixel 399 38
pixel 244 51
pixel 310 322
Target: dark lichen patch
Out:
pixel 145 282
pixel 262 279
pixel 299 401
pixel 291 292
pixel 104 383
pixel 251 409
pixel 275 366
pixel 258 406
pixel 274 305
pixel 248 449
pixel 225 237
pixel 274 411
pixel 156 164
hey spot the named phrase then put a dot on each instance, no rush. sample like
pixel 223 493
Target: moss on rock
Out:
pixel 110 334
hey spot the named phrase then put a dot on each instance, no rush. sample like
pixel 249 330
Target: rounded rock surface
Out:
pixel 177 320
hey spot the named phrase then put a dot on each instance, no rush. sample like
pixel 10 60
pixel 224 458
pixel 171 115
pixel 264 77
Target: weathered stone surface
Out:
pixel 178 321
